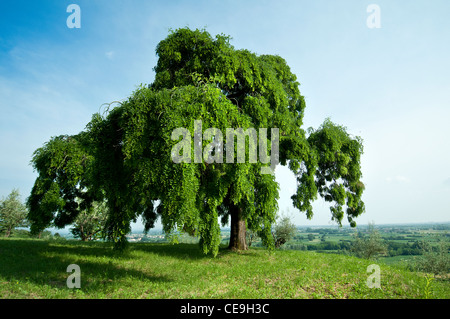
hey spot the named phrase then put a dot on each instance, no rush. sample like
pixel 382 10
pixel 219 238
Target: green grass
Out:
pixel 37 269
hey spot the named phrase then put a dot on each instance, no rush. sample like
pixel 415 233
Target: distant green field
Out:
pixel 31 268
pixel 396 260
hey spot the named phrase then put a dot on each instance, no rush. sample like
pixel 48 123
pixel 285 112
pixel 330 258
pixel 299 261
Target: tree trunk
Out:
pixel 238 229
pixel 82 234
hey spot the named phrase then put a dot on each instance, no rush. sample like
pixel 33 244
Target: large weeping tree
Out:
pixel 197 148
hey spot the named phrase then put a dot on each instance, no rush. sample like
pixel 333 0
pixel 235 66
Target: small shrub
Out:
pixel 370 245
pixel 284 231
pixel 434 260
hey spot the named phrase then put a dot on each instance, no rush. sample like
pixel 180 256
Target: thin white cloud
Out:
pixel 397 179
pixel 447 183
pixel 110 55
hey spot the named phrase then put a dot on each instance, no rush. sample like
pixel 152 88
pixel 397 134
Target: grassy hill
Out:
pixel 31 268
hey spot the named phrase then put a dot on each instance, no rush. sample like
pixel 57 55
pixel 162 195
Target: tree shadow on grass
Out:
pixel 180 251
pixel 187 251
pixel 45 263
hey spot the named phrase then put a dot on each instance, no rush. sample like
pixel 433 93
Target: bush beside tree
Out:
pixel 13 213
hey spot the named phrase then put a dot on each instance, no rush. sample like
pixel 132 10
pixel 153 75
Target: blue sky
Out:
pixel 389 85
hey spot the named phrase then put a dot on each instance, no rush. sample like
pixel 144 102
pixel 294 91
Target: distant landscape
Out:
pixel 403 240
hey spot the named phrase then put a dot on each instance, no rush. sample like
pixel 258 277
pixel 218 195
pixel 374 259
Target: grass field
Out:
pixel 31 268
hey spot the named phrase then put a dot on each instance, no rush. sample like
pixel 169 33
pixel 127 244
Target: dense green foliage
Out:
pixel 62 183
pixel 333 171
pixel 125 157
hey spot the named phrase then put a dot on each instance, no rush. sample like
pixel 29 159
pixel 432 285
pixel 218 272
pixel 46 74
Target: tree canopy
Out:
pixel 203 86
pixel 13 213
